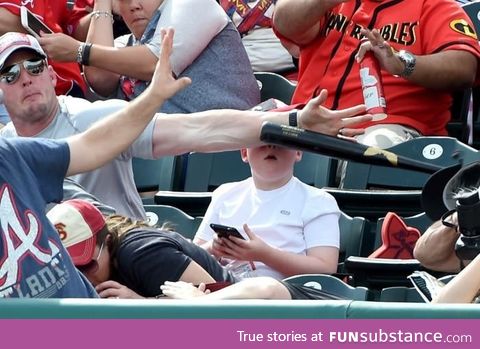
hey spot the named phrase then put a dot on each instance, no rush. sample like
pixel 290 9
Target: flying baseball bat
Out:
pixel 298 138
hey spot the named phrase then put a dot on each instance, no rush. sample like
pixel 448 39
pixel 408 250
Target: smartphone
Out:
pixel 32 24
pixel 224 231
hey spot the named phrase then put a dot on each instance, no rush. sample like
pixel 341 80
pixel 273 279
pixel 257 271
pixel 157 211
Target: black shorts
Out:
pixel 299 291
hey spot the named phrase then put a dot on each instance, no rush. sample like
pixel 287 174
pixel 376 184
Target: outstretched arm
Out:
pixel 220 130
pixel 436 247
pixel 107 138
pixel 464 287
pixel 249 288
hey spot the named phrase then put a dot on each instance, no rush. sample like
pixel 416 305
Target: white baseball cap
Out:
pixel 13 41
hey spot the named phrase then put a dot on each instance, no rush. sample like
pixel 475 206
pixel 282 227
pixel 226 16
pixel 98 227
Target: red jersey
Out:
pixel 59 18
pixel 420 26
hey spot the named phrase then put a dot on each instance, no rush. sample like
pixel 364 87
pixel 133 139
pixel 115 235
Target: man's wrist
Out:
pixel 409 62
pixel 293 118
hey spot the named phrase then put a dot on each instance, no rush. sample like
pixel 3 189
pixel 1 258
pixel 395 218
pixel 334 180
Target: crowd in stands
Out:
pixel 82 102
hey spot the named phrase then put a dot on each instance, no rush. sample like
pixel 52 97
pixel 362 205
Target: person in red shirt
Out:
pixel 62 16
pixel 426 49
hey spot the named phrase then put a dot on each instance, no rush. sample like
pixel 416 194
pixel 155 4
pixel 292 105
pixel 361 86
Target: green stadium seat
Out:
pixel 273 85
pixel 206 171
pixel 330 284
pixel 153 175
pixel 351 236
pixel 176 219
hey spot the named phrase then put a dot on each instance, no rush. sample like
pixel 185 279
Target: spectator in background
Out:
pixel 207 49
pixel 36 112
pixel 292 228
pixel 253 19
pixel 426 48
pixel 129 259
pixel 70 18
pixel 125 258
pixel 33 262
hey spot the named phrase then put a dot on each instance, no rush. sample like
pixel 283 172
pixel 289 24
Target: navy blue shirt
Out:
pixel 33 261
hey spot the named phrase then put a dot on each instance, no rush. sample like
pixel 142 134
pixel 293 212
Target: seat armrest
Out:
pixel 193 203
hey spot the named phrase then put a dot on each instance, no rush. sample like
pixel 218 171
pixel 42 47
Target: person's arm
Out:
pixel 110 136
pixel 192 34
pixel 299 20
pixel 464 287
pixel 81 29
pixel 102 79
pixel 193 274
pixel 9 22
pixel 435 249
pixel 318 260
pixel 249 288
pixel 221 130
pixel 445 70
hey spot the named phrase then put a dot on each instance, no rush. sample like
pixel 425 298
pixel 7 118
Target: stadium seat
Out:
pixel 153 175
pixel 400 294
pixel 273 85
pixel 177 220
pixel 472 9
pixel 330 284
pixel 372 191
pixel 377 273
pixel 206 171
pixel 351 235
pixel 420 221
pixel 440 151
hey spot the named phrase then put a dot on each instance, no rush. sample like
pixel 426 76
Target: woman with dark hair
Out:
pixel 125 258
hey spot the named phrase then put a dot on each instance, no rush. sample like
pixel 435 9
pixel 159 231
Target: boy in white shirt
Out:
pixel 291 228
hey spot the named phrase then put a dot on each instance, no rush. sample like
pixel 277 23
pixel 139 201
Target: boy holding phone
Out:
pixel 291 228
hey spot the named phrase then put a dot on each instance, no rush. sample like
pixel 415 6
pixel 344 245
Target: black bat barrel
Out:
pixel 297 138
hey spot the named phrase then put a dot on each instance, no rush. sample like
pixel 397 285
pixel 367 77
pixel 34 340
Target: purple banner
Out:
pixel 236 334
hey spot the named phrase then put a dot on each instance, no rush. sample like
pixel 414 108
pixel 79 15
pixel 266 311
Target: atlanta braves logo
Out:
pixel 26 2
pixel 19 240
pixel 251 12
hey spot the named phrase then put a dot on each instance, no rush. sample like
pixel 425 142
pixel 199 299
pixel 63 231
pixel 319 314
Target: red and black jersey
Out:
pixel 422 27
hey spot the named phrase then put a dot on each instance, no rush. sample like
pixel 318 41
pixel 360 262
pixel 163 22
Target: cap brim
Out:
pixel 8 52
pixel 432 193
pixel 82 253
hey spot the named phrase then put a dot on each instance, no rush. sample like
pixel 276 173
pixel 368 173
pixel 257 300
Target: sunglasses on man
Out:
pixel 33 67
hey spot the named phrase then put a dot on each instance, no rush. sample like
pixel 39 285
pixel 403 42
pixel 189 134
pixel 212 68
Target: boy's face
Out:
pixel 271 164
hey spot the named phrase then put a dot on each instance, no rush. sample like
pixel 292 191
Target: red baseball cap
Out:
pixel 78 223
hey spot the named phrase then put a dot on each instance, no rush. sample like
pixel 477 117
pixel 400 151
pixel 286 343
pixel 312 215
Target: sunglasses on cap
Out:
pixel 33 67
pixel 92 266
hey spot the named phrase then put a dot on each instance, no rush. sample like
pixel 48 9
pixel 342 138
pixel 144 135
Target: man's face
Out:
pixel 30 97
pixel 137 13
